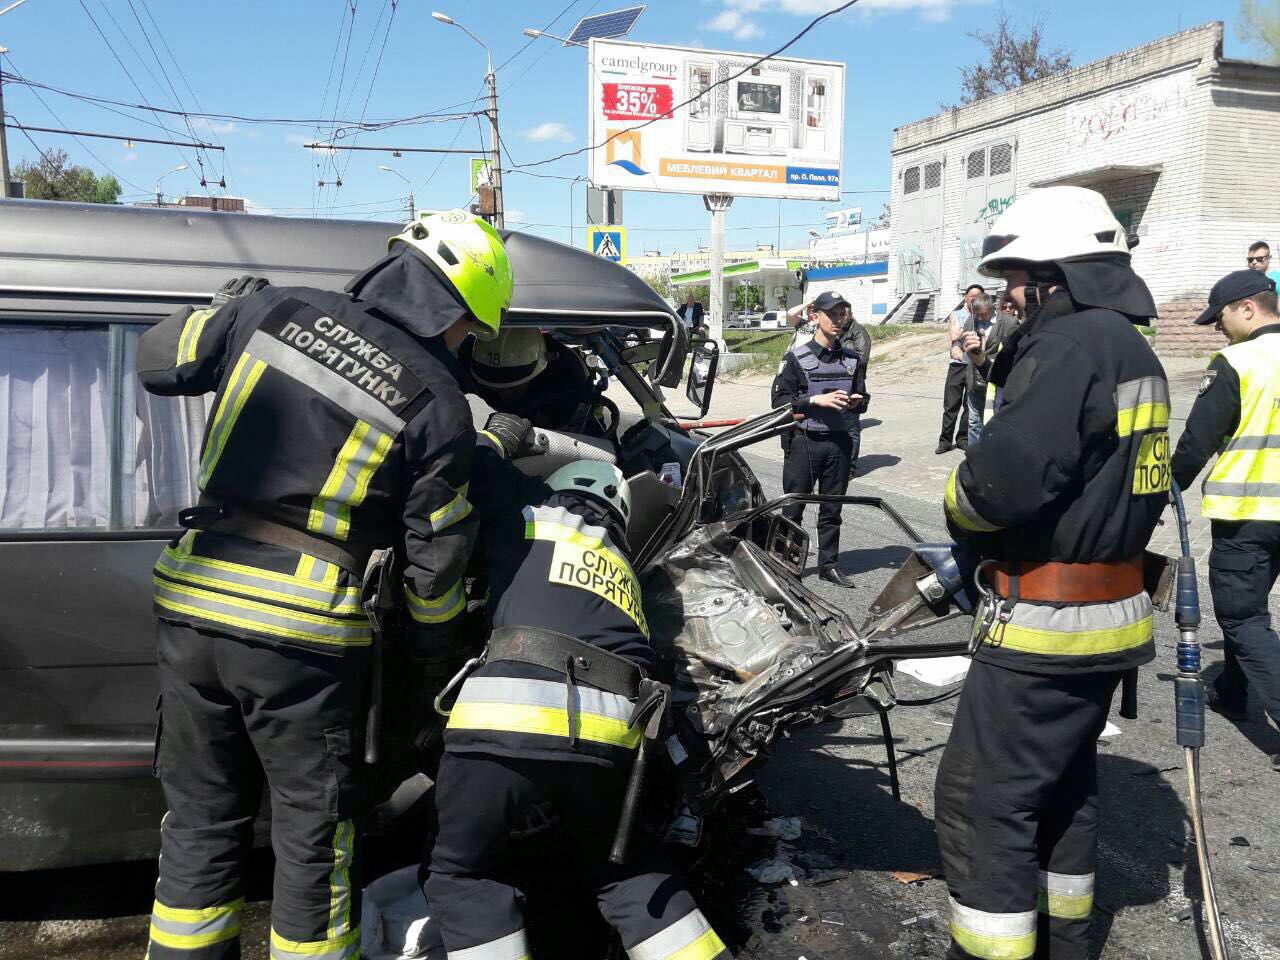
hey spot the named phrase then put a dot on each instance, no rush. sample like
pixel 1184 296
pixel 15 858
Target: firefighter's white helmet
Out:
pixel 597 479
pixel 1050 225
pixel 515 357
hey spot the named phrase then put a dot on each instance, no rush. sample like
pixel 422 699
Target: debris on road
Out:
pixel 783 828
pixel 911 876
pixel 917 919
pixel 775 871
pixel 1240 842
pixel 936 671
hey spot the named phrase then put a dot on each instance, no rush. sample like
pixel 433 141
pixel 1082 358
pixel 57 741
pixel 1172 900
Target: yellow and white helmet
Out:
pixel 470 256
pixel 512 359
pixel 1052 225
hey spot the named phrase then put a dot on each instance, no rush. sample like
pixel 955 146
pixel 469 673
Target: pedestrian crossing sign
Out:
pixel 608 242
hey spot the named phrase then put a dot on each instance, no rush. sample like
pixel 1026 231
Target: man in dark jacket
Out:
pixel 548 717
pixel 338 429
pixel 1061 496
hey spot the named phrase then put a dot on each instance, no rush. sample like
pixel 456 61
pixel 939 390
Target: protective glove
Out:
pixel 238 287
pixel 512 432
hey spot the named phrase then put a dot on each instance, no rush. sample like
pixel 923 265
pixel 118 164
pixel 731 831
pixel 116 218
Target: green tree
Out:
pixel 54 177
pixel 1260 26
pixel 1016 55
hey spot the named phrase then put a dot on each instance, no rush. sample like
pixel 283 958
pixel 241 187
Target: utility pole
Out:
pixel 495 152
pixel 495 164
pixel 4 144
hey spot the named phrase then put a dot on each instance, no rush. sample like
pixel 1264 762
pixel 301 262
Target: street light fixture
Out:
pixel 385 169
pixel 159 196
pixel 495 160
pixel 533 34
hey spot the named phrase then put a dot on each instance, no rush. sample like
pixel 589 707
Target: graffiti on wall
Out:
pixel 1119 117
pixel 992 209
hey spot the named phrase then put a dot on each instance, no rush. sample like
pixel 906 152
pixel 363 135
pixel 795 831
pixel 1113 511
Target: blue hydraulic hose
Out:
pixel 1189 710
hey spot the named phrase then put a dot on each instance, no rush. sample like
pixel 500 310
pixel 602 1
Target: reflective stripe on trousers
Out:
pixel 539 707
pixel 1083 630
pixel 993 936
pixel 184 929
pixel 514 946
pixel 1068 896
pixel 345 947
pixel 689 938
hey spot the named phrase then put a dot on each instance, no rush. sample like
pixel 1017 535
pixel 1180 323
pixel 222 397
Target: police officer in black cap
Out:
pixel 821 381
pixel 1240 400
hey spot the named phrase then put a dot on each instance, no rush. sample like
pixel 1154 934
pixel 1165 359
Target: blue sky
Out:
pixel 273 58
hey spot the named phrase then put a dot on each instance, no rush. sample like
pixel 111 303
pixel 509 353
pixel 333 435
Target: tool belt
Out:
pixel 579 661
pixel 218 516
pixel 1053 582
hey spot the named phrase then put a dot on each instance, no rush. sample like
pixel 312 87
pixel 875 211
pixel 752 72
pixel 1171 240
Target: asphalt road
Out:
pixel 846 901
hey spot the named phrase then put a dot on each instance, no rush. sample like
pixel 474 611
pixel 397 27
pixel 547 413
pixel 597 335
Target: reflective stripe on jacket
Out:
pixel 1244 484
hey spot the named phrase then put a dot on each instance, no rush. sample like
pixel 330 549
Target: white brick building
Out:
pixel 1184 144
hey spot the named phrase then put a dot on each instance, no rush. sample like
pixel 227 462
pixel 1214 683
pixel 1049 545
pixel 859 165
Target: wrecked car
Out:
pixel 95 472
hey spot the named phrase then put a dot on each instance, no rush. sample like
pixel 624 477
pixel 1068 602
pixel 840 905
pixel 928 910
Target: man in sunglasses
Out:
pixel 1240 400
pixel 1259 258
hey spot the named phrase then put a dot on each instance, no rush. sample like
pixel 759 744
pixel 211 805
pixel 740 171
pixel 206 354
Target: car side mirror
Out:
pixel 702 374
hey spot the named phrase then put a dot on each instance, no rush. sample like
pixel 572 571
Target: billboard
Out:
pixel 771 130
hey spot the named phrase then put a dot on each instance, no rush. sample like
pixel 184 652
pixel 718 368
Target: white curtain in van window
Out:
pixel 55 401
pixel 165 446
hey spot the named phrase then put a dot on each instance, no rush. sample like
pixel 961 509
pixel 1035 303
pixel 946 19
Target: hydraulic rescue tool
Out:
pixel 1188 694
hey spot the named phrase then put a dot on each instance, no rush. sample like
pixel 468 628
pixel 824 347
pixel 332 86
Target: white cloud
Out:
pixel 252 207
pixel 934 11
pixel 732 21
pixel 213 126
pixel 551 130
pixel 130 156
pixel 515 216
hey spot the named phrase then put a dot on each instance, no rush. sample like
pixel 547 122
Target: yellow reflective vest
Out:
pixel 1245 482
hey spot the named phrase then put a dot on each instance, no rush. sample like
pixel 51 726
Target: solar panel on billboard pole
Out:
pixel 604 26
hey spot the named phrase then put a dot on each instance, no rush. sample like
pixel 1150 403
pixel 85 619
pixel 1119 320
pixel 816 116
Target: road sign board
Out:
pixel 608 242
pixel 479 172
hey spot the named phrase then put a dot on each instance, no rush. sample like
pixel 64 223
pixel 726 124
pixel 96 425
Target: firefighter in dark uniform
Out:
pixel 1237 416
pixel 823 381
pixel 548 718
pixel 338 428
pixel 532 376
pixel 1061 497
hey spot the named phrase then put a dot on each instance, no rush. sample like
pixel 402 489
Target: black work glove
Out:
pixel 238 287
pixel 512 432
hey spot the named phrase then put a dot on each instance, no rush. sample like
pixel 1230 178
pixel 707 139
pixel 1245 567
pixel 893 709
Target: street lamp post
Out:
pixel 533 34
pixel 385 169
pixel 160 196
pixel 495 154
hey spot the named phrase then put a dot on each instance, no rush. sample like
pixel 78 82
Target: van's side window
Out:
pixel 81 446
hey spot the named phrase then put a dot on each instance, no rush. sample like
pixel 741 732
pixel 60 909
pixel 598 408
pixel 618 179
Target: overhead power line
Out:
pixel 337 146
pixel 113 136
pixel 697 96
pixel 441 114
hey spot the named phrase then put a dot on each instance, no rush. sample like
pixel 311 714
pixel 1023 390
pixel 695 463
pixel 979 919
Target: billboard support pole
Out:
pixel 718 204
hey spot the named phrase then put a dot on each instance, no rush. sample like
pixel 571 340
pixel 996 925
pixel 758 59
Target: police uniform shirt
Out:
pixel 791 384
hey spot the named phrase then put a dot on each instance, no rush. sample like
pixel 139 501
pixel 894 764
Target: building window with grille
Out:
pixel 933 175
pixel 911 180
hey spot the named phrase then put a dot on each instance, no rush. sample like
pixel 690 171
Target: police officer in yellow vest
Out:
pixel 1237 415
